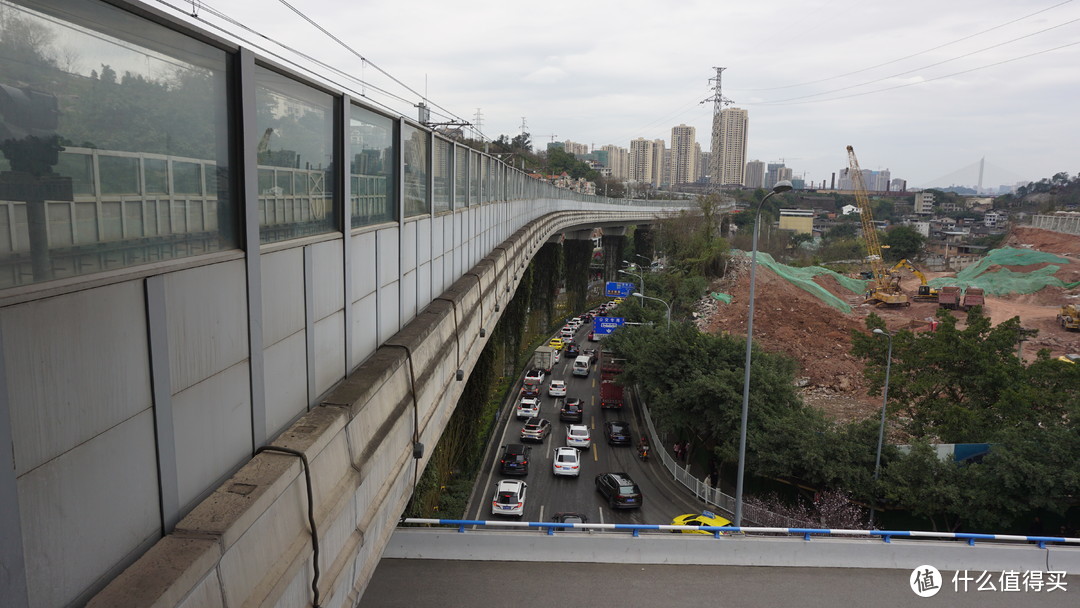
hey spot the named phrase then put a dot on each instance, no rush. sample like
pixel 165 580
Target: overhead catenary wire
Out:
pixel 442 113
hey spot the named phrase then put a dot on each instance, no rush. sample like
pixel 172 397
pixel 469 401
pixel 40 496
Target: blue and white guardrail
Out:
pixel 718 531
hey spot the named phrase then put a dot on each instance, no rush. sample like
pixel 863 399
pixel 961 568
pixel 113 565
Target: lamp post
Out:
pixel 881 430
pixel 641 279
pixel 781 186
pixel 639 295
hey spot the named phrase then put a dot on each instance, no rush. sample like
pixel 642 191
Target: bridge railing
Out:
pixel 463 526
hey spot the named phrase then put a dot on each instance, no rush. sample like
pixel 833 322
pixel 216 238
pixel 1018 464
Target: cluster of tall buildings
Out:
pixel 654 162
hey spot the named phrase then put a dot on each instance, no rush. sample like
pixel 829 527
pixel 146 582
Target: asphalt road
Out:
pixel 547 493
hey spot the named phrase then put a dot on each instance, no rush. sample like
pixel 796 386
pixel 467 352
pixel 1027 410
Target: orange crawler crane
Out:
pixel 883 290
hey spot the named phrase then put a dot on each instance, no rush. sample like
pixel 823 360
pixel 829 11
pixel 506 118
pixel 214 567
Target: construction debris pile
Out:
pixel 797 311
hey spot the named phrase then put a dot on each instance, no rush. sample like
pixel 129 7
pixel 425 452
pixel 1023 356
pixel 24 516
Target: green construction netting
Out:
pixel 723 297
pixel 1004 281
pixel 803 278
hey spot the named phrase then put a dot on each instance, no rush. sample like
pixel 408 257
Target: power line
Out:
pixel 923 52
pixel 909 84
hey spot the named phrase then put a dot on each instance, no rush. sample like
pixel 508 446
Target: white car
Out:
pixel 575 323
pixel 577 436
pixel 528 408
pixel 557 388
pixel 567 333
pixel 566 462
pixel 509 498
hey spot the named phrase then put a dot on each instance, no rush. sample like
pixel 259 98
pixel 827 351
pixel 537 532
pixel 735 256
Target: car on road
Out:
pixel 528 407
pixel 578 436
pixel 590 353
pixel 509 498
pixel 571 410
pixel 515 459
pixel 705 518
pixel 535 429
pixel 556 343
pixel 530 390
pixel 1070 358
pixel 567 461
pixel 567 333
pixel 619 490
pixel 557 388
pixel 570 517
pixel 617 432
pixel 572 349
pixel 534 376
pixel 592 337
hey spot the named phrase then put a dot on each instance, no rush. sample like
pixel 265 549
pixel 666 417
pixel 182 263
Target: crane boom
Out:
pixel 883 291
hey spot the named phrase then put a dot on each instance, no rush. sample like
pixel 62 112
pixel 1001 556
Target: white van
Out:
pixel 582 365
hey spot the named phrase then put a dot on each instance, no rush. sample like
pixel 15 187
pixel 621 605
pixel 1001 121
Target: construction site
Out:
pixel 809 313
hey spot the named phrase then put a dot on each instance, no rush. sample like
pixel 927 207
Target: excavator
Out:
pixel 883 290
pixel 925 293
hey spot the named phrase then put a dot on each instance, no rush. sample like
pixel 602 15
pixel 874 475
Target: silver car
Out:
pixel 566 462
pixel 578 436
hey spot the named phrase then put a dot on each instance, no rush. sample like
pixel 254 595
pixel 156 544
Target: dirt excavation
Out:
pixel 790 320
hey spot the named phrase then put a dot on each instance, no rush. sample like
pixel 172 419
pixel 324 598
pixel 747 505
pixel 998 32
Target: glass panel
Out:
pixel 96 103
pixel 187 178
pixel 415 166
pixel 474 183
pixel 461 177
pixel 295 157
pixel 442 161
pixel 485 178
pixel 371 147
pixel 156 174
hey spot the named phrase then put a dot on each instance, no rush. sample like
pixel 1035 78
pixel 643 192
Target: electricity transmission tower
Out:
pixel 719 101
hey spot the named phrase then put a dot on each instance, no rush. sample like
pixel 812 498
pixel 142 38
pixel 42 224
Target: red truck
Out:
pixel 949 297
pixel 611 394
pixel 973 296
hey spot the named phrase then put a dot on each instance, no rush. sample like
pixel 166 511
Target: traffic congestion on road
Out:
pixel 556 454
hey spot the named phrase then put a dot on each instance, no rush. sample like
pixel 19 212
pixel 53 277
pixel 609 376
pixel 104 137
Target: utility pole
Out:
pixel 719 101
pixel 524 126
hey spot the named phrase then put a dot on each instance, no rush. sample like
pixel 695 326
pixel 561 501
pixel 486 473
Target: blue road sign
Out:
pixel 618 290
pixel 603 326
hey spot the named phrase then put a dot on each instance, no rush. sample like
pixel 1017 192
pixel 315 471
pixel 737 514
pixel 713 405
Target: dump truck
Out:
pixel 611 394
pixel 1069 317
pixel 973 296
pixel 949 297
pixel 544 358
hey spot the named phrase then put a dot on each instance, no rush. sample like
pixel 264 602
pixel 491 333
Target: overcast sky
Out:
pixel 924 88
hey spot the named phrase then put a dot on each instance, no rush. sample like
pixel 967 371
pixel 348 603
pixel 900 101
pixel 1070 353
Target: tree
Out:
pixel 904 243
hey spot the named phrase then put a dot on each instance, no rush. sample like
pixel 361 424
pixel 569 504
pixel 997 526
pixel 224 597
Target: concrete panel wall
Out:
pixel 286 395
pixel 359 443
pixel 57 351
pixel 282 294
pixel 70 510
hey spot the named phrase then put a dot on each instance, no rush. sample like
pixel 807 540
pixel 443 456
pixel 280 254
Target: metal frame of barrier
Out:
pixel 720 531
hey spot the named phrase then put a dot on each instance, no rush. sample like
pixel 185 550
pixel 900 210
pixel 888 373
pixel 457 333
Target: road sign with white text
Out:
pixel 603 326
pixel 616 289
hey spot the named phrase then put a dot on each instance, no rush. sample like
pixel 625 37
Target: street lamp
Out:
pixel 781 186
pixel 639 295
pixel 641 279
pixel 881 430
pixel 649 260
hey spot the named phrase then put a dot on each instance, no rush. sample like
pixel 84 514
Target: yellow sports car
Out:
pixel 556 343
pixel 707 518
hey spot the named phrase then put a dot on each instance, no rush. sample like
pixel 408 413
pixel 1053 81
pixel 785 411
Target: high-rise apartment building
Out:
pixel 575 148
pixel 661 164
pixel 755 174
pixel 683 163
pixel 772 174
pixel 618 161
pixel 734 123
pixel 641 161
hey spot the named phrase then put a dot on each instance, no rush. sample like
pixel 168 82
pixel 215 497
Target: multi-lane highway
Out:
pixel 548 494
